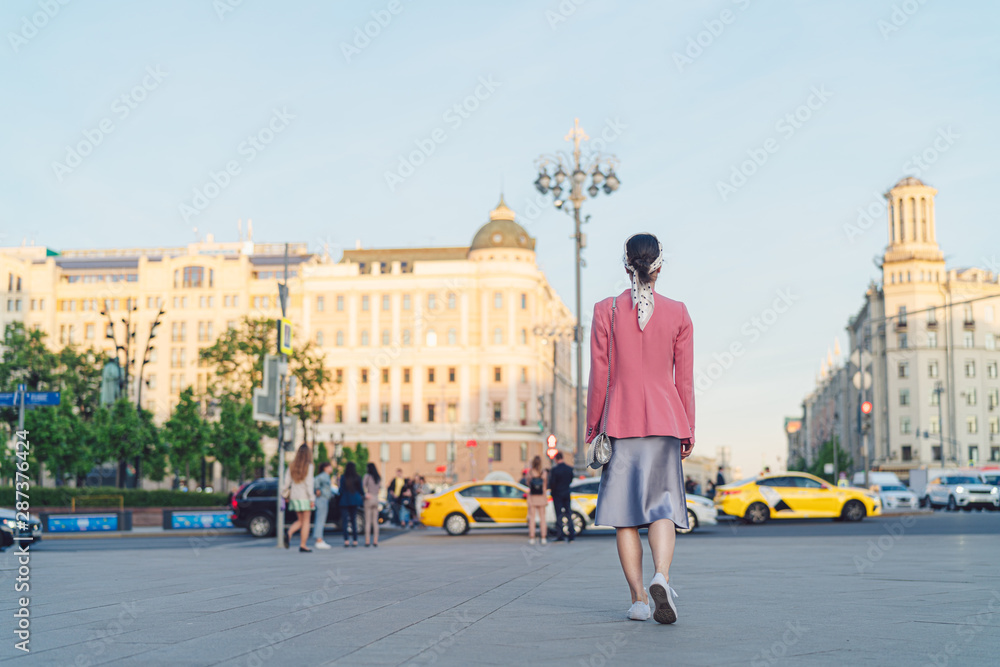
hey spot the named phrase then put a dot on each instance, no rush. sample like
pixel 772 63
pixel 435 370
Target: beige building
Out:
pixel 433 347
pixel 927 339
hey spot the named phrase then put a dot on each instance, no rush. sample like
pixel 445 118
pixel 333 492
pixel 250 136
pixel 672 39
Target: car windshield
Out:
pixel 893 487
pixel 992 479
pixel 963 480
pixel 743 481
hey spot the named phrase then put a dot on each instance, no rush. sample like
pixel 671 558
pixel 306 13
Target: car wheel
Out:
pixel 260 525
pixel 456 524
pixel 926 502
pixel 692 524
pixel 757 513
pixel 579 525
pixel 854 510
pixel 952 504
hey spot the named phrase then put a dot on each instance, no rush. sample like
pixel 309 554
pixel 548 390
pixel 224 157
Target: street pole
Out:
pixel 580 458
pixel 280 511
pixel 939 389
pixel 555 381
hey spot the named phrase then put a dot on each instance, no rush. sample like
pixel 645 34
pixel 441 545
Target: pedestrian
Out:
pixel 298 491
pixel 560 478
pixel 689 484
pixel 697 489
pixel 324 492
pixel 710 489
pixel 407 507
pixel 350 500
pixel 720 479
pixel 371 486
pixel 641 395
pixel 393 492
pixel 538 488
pixel 421 490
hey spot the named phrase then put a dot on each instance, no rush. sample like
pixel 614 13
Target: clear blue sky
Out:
pixel 884 95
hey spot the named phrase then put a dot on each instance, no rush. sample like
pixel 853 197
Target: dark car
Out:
pixel 253 506
pixel 10 528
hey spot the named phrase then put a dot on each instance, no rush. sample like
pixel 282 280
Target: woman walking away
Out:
pixel 299 491
pixel 371 486
pixel 538 491
pixel 323 495
pixel 350 501
pixel 642 396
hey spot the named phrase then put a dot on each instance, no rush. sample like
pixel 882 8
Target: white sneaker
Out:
pixel 639 611
pixel 531 541
pixel 544 541
pixel 663 596
pixel 321 545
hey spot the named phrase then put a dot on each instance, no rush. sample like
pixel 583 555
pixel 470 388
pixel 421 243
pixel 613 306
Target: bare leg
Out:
pixel 630 555
pixel 541 520
pixel 662 537
pixel 294 527
pixel 304 531
pixel 531 522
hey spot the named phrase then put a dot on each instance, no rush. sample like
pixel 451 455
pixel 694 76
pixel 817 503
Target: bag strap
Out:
pixel 607 386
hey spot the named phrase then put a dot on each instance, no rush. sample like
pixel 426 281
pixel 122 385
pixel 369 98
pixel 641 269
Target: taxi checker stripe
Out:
pixel 480 516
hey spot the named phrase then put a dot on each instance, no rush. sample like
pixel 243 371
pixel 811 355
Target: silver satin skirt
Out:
pixel 642 483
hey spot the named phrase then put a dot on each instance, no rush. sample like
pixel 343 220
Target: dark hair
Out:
pixel 558 456
pixel 373 473
pixel 326 464
pixel 641 251
pixel 350 482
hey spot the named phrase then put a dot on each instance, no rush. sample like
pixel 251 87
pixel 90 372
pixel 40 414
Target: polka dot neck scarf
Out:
pixel 642 293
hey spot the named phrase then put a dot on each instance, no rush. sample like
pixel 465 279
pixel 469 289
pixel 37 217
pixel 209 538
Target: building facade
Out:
pixel 924 350
pixel 432 349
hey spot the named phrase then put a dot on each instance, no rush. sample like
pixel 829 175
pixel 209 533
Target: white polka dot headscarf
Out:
pixel 642 293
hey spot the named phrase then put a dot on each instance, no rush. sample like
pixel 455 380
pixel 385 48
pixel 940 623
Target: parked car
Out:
pixel 794 495
pixel 254 508
pixel 965 491
pixel 896 496
pixel 991 478
pixel 485 504
pixel 9 529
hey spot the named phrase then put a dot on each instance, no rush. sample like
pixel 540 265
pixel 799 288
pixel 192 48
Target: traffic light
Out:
pixel 551 451
pixel 866 407
pixel 866 416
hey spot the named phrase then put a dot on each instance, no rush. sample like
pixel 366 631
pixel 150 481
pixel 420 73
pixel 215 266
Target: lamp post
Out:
pixel 145 356
pixel 579 165
pixel 553 334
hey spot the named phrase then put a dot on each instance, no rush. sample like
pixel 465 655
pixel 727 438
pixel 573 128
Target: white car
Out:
pixel 896 496
pixel 583 504
pixel 966 491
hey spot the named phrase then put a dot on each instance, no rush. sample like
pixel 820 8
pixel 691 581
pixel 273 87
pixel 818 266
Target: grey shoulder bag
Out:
pixel 599 451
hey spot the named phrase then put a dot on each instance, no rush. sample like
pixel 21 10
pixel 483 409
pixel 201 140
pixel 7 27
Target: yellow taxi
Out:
pixel 794 495
pixel 482 504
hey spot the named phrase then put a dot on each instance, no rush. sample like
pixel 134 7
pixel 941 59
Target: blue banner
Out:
pixel 204 519
pixel 82 523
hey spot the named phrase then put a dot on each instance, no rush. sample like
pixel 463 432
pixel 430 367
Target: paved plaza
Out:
pixel 915 590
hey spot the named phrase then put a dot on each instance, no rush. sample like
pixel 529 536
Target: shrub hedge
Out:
pixel 48 496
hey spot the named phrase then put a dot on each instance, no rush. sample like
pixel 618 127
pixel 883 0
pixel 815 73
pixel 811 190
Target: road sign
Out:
pixel 857 380
pixel 8 398
pixel 470 443
pixel 41 398
pixel 284 336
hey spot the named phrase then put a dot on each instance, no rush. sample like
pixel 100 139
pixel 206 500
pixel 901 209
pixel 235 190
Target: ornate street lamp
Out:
pixel 602 177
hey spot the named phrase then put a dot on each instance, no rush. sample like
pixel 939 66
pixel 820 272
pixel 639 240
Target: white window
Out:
pixel 340 302
pixel 932 369
pixel 364 338
pixel 904 425
pixel 431 301
pixel 990 341
pixel 452 301
pixel 404 452
pixel 340 339
pixel 320 304
pixel 319 338
pixel 970 369
pixel 972 424
pixel 498 336
pixel 991 370
pixel 385 337
pixel 383 452
pixel 406 337
pixel 969 339
pixel 498 299
pixel 385 302
pixel 935 425
pixel 432 338
pixel 904 369
pixel 452 336
pixel 431 452
pixel 970 397
pixel 932 339
pixel 406 302
pixel 904 396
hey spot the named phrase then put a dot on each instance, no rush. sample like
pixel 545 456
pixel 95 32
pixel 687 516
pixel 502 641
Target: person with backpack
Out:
pixel 538 490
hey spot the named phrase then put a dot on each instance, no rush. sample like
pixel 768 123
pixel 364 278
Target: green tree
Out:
pixel 187 434
pixel 321 455
pixel 825 455
pixel 61 440
pixel 359 455
pixel 126 433
pixel 27 360
pixel 238 356
pixel 236 438
pixel 313 383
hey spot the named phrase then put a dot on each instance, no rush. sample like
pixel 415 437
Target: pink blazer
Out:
pixel 652 371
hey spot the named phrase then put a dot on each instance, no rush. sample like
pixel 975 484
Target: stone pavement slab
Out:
pixel 491 599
